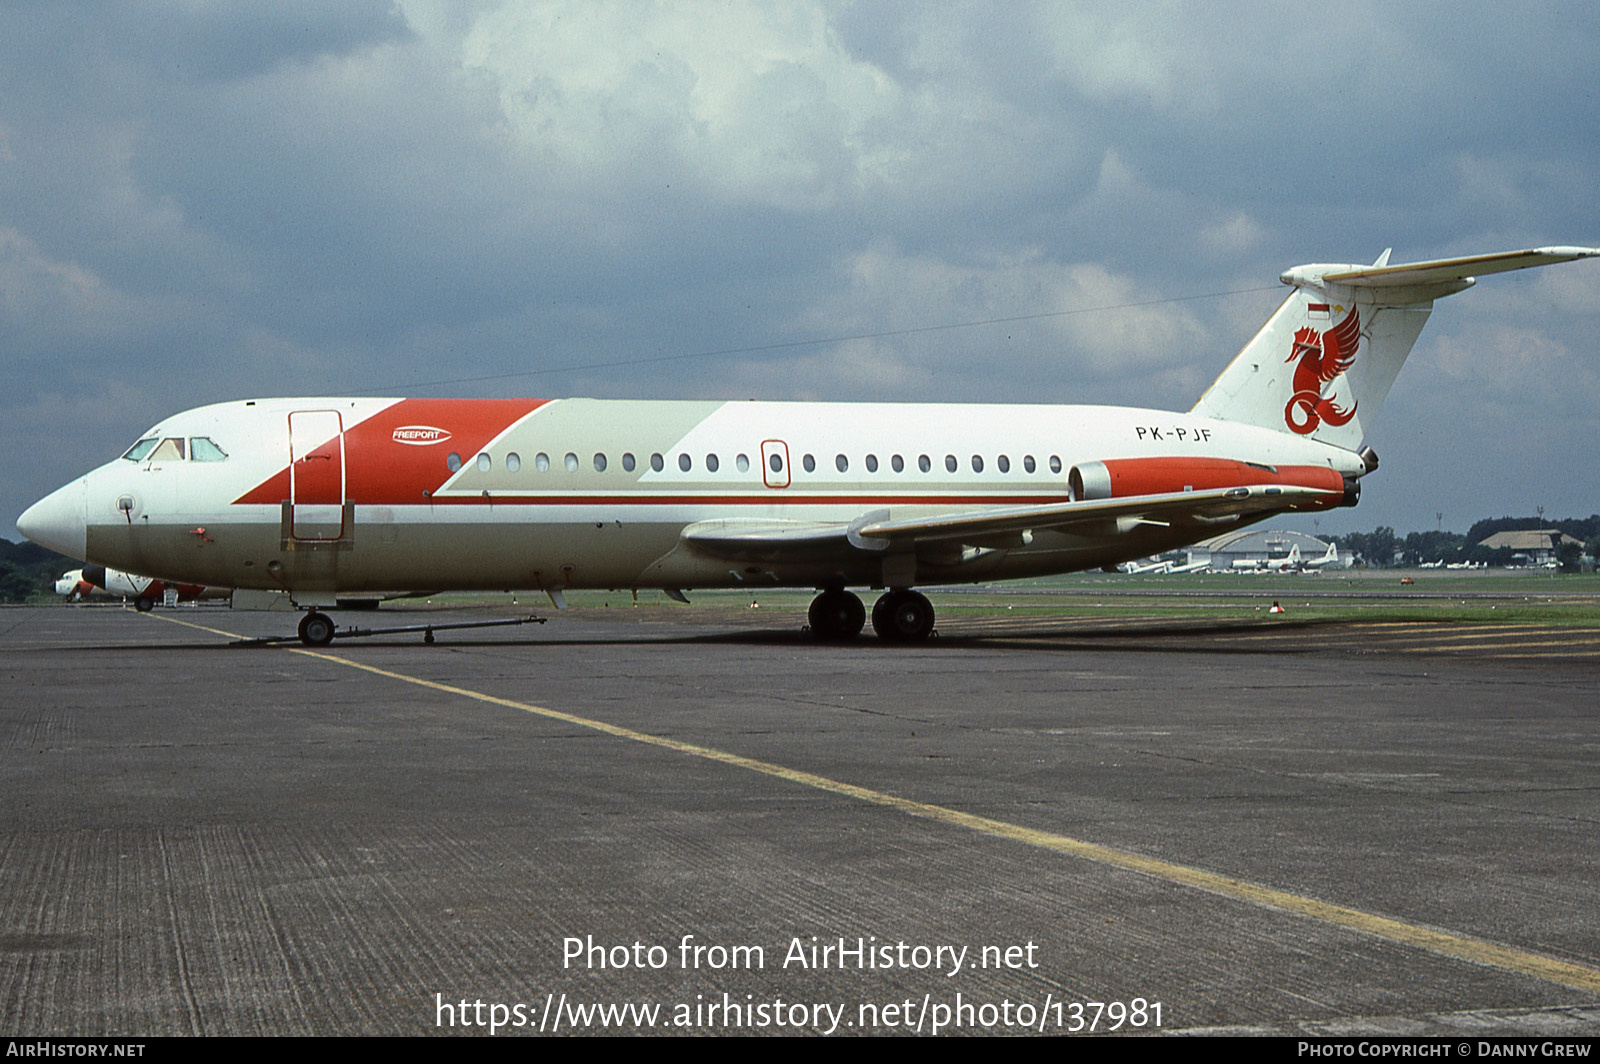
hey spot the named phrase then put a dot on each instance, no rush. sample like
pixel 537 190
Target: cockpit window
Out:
pixel 137 452
pixel 170 450
pixel 201 449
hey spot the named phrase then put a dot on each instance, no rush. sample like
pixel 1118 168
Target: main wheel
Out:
pixel 316 629
pixel 837 615
pixel 903 616
pixel 144 605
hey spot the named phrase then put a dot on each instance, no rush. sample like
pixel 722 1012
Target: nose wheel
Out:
pixel 903 616
pixel 316 629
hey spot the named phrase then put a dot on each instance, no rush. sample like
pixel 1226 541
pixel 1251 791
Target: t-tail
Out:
pixel 1324 362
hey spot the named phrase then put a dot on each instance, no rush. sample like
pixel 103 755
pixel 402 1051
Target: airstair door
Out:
pixel 316 476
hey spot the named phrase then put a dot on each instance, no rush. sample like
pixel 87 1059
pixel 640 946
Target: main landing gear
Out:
pixel 903 616
pixel 899 616
pixel 836 615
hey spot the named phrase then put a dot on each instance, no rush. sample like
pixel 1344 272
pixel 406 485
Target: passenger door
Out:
pixel 316 475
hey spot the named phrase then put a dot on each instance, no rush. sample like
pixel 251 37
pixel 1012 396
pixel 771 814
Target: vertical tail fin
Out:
pixel 1323 364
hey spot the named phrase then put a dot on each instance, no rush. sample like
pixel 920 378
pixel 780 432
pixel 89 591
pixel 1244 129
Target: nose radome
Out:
pixel 57 521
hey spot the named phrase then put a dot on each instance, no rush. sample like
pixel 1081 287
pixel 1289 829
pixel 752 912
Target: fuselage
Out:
pixel 326 495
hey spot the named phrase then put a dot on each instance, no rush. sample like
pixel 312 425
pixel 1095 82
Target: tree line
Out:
pixel 1384 547
pixel 27 571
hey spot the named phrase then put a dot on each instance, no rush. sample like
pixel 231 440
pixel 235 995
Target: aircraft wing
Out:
pixel 879 531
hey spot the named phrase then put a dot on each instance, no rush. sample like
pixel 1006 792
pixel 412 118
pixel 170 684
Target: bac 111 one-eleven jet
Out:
pixel 328 497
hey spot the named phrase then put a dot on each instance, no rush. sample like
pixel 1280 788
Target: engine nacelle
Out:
pixel 1120 478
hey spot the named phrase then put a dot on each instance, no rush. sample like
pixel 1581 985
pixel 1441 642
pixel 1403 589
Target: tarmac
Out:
pixel 688 821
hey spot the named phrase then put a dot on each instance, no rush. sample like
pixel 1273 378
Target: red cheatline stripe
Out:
pixel 785 499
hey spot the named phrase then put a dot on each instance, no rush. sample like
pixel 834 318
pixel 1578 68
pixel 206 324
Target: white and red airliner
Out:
pixel 325 498
pixel 96 581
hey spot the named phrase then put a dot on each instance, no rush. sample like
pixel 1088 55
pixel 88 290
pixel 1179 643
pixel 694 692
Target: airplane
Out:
pixel 1271 565
pixel 96 581
pixel 1136 569
pixel 1432 565
pixel 1329 557
pixel 323 497
pixel 74 587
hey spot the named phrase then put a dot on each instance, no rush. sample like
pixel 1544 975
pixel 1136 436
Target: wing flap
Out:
pixel 767 541
pixel 1106 516
pixel 796 541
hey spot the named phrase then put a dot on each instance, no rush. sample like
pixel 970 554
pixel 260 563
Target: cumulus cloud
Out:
pixel 754 104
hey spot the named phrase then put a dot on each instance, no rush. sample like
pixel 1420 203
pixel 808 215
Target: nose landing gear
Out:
pixel 316 629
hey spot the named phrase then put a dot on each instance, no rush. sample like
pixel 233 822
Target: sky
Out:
pixel 998 202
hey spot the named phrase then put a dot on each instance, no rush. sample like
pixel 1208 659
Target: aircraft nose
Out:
pixel 57 521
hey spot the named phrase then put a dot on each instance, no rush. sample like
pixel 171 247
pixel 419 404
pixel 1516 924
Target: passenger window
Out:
pixel 656 463
pixel 541 462
pixel 923 463
pixel 201 449
pixel 841 463
pixel 977 463
pixel 627 461
pixel 571 462
pixel 898 464
pixel 513 462
pixel 1055 464
pixel 742 463
pixel 1004 463
pixel 599 462
pixel 810 463
pixel 453 461
pixel 775 462
pixel 1027 462
pixel 484 462
pixel 685 463
pixel 872 463
pixel 950 463
pixel 170 451
pixel 712 463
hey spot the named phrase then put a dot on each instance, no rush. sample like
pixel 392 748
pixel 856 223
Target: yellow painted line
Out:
pixel 1468 631
pixel 1496 649
pixel 1386 624
pixel 1460 947
pixel 1573 637
pixel 191 624
pixel 1557 655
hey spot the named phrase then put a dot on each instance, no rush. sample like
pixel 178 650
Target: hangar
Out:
pixel 1255 546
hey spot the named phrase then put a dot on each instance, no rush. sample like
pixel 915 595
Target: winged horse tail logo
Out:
pixel 1321 357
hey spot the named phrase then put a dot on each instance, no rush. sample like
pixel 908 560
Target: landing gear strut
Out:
pixel 836 615
pixel 902 616
pixel 316 629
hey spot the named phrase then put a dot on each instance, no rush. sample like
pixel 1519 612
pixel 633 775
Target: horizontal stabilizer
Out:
pixel 1410 273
